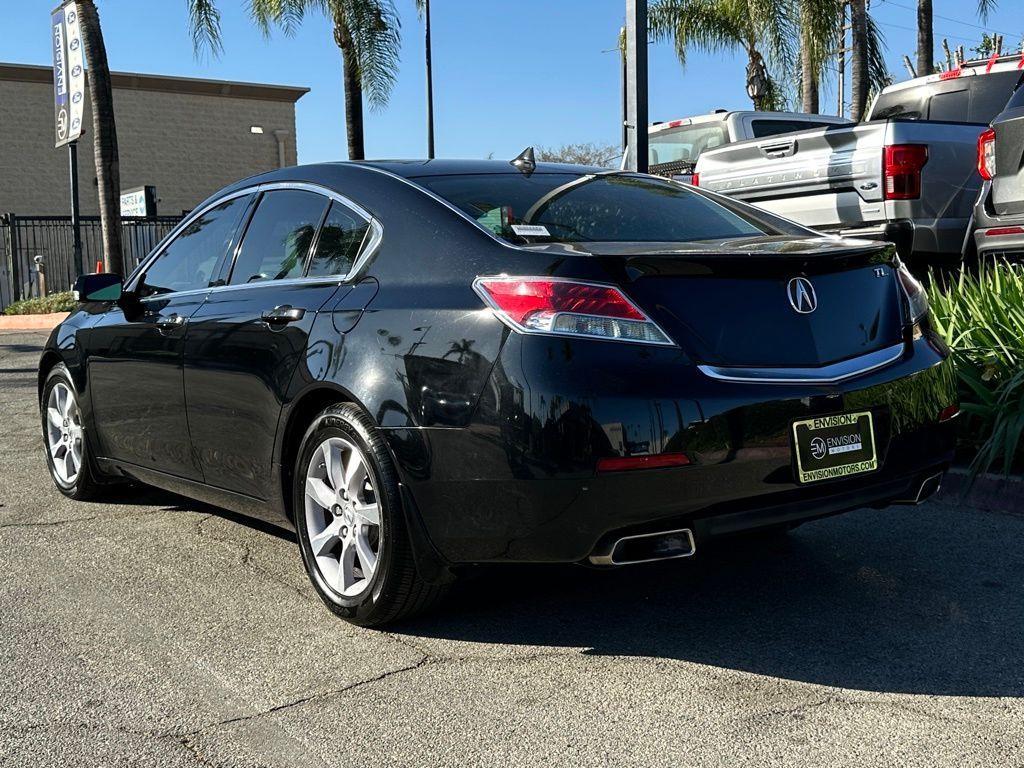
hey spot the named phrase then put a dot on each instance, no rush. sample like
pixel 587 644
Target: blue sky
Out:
pixel 507 74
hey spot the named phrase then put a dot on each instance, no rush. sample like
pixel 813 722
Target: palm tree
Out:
pixel 108 170
pixel 858 59
pixel 423 9
pixel 763 29
pixel 367 32
pixel 821 35
pixel 926 39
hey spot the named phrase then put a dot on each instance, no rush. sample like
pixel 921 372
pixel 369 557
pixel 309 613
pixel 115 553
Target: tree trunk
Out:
pixel 353 88
pixel 808 75
pixel 858 59
pixel 925 39
pixel 108 169
pixel 759 87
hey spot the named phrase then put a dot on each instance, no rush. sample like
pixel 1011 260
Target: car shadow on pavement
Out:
pixel 839 602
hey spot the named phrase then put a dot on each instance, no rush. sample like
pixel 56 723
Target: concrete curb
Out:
pixel 990 493
pixel 31 322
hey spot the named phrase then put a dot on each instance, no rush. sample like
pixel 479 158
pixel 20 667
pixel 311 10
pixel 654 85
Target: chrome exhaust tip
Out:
pixel 646 548
pixel 928 488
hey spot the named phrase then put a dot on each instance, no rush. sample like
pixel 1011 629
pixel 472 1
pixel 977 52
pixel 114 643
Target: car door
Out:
pixel 134 352
pixel 246 340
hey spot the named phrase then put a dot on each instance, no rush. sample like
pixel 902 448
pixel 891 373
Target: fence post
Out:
pixel 12 254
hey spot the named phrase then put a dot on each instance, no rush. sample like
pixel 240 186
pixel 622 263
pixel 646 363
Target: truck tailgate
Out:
pixel 820 178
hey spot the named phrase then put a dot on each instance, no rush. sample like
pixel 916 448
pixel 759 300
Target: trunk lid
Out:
pixel 732 303
pixel 1008 184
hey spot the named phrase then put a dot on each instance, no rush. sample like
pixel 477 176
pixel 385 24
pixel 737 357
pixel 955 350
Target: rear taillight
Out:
pixel 901 170
pixel 563 307
pixel 987 155
pixel 695 179
pixel 917 296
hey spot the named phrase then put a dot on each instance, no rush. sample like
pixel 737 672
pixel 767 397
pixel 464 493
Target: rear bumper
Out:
pixel 920 238
pixel 520 485
pixel 988 238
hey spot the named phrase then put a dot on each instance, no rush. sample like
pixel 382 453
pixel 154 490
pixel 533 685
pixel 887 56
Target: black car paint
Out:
pixel 495 434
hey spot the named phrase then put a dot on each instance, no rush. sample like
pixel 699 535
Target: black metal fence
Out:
pixel 23 238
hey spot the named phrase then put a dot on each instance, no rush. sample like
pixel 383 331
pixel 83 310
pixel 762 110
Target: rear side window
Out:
pixel 280 234
pixel 762 128
pixel 576 208
pixel 191 259
pixel 339 242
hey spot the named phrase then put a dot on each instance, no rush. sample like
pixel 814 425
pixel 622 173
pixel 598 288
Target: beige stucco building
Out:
pixel 187 137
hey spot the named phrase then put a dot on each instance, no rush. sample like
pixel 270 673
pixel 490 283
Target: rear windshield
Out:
pixel 686 143
pixel 762 128
pixel 574 208
pixel 967 99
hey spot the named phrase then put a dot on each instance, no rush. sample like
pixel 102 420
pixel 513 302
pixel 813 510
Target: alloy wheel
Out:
pixel 342 516
pixel 64 433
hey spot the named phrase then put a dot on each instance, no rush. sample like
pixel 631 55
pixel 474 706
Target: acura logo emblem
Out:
pixel 801 295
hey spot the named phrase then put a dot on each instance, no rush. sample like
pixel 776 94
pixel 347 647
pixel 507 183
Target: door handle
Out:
pixel 283 314
pixel 170 322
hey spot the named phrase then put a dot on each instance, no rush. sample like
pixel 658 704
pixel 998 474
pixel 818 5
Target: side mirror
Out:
pixel 101 287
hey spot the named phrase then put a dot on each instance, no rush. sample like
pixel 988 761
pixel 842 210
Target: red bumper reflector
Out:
pixel 949 412
pixel 998 231
pixel 627 463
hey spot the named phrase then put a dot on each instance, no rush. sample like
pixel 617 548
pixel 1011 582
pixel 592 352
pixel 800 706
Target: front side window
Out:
pixel 575 208
pixel 190 261
pixel 685 144
pixel 339 242
pixel 279 236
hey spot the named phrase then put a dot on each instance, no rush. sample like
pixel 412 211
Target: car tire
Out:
pixel 363 571
pixel 64 438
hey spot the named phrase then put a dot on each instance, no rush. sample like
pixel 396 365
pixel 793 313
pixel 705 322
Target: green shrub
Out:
pixel 55 302
pixel 981 317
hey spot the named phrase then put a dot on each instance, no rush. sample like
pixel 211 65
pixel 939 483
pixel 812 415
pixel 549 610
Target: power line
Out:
pixel 950 18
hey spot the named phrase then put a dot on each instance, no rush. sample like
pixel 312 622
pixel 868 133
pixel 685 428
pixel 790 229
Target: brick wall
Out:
pixel 187 145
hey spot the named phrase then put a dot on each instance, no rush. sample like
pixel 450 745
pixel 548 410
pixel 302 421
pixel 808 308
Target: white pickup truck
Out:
pixel 676 145
pixel 907 174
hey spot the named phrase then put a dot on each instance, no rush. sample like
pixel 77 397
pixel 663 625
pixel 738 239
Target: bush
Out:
pixel 981 317
pixel 55 302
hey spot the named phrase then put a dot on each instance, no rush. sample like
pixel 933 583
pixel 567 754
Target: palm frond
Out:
pixel 376 34
pixel 709 25
pixel 878 71
pixel 985 7
pixel 204 25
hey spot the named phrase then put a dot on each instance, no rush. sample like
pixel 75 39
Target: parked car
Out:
pixel 999 211
pixel 425 364
pixel 676 145
pixel 907 175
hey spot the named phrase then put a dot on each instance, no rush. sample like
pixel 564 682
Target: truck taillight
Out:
pixel 987 155
pixel 901 170
pixel 561 307
pixel 695 179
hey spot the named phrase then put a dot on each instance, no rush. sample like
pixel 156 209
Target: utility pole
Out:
pixel 841 63
pixel 636 84
pixel 430 83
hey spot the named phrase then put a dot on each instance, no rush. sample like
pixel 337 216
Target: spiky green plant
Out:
pixel 981 317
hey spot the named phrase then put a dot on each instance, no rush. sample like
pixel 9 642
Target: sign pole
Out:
pixel 76 213
pixel 636 84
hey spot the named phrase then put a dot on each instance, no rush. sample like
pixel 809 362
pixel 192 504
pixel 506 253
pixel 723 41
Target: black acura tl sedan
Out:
pixel 424 365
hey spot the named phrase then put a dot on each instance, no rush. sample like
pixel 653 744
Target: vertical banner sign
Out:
pixel 68 74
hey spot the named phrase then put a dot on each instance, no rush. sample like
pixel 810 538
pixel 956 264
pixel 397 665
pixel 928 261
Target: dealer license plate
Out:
pixel 830 447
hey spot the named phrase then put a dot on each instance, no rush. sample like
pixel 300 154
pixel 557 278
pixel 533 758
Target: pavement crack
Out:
pixel 318 696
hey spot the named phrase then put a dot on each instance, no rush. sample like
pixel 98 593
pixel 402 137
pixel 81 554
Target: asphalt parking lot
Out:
pixel 154 630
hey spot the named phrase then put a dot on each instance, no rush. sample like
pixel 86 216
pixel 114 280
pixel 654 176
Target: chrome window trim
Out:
pixel 826 374
pixel 371 241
